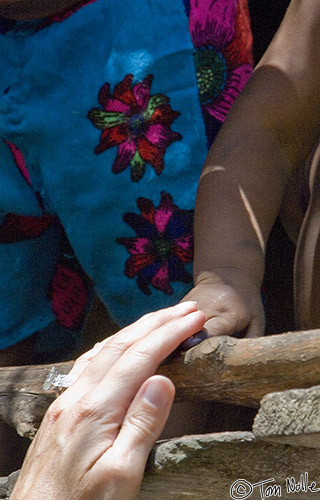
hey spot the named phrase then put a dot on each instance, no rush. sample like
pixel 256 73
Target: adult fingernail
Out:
pixel 156 394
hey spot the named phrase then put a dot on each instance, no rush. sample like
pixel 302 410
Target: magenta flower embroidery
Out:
pixel 222 38
pixel 18 227
pixel 162 247
pixel 137 123
pixel 68 289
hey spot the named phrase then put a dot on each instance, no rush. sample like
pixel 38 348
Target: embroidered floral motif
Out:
pixel 137 122
pixel 68 289
pixel 15 227
pixel 69 298
pixel 211 71
pixel 68 295
pixel 162 247
pixel 221 34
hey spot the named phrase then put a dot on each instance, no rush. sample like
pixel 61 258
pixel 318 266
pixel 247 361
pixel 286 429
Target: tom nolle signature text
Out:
pixel 242 489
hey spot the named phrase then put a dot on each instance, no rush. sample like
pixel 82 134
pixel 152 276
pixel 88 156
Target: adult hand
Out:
pixel 231 303
pixel 95 438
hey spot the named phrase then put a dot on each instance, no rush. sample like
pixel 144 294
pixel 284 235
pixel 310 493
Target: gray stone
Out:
pixel 3 486
pixel 291 417
pixel 12 479
pixel 206 467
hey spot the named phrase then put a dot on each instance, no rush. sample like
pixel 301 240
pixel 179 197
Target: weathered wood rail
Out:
pixel 225 369
pixel 284 444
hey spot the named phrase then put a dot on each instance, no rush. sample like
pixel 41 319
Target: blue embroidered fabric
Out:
pixel 102 144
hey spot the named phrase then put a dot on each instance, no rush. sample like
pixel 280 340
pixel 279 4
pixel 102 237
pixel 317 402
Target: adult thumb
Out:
pixel 145 420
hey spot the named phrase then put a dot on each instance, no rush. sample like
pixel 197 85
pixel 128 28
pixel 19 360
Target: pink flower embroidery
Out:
pixel 223 57
pixel 162 247
pixel 137 123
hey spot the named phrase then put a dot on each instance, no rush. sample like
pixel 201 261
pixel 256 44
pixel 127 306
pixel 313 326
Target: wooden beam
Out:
pixel 225 369
pixel 23 402
pixel 242 371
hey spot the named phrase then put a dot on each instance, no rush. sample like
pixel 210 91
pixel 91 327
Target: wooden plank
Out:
pixel 23 402
pixel 225 369
pixel 242 371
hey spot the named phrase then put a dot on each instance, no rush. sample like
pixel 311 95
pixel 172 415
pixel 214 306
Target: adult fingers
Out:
pixel 130 334
pixel 124 463
pixel 146 416
pixel 94 420
pixel 82 362
pixel 141 360
pixel 94 366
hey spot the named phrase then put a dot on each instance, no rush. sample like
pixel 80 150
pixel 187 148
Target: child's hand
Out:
pixel 231 302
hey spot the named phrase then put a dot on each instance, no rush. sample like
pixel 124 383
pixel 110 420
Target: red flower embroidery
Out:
pixel 223 56
pixel 16 227
pixel 68 296
pixel 137 122
pixel 68 290
pixel 162 247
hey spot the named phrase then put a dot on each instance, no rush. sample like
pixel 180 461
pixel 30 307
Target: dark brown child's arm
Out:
pixel 269 132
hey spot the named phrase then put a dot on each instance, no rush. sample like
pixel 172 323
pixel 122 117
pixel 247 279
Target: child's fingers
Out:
pixel 232 325
pixel 225 324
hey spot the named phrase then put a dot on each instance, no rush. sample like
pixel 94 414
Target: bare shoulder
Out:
pixel 291 71
pixel 295 48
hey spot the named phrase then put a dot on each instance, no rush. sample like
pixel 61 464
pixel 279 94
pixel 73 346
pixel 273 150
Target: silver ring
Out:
pixel 56 381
